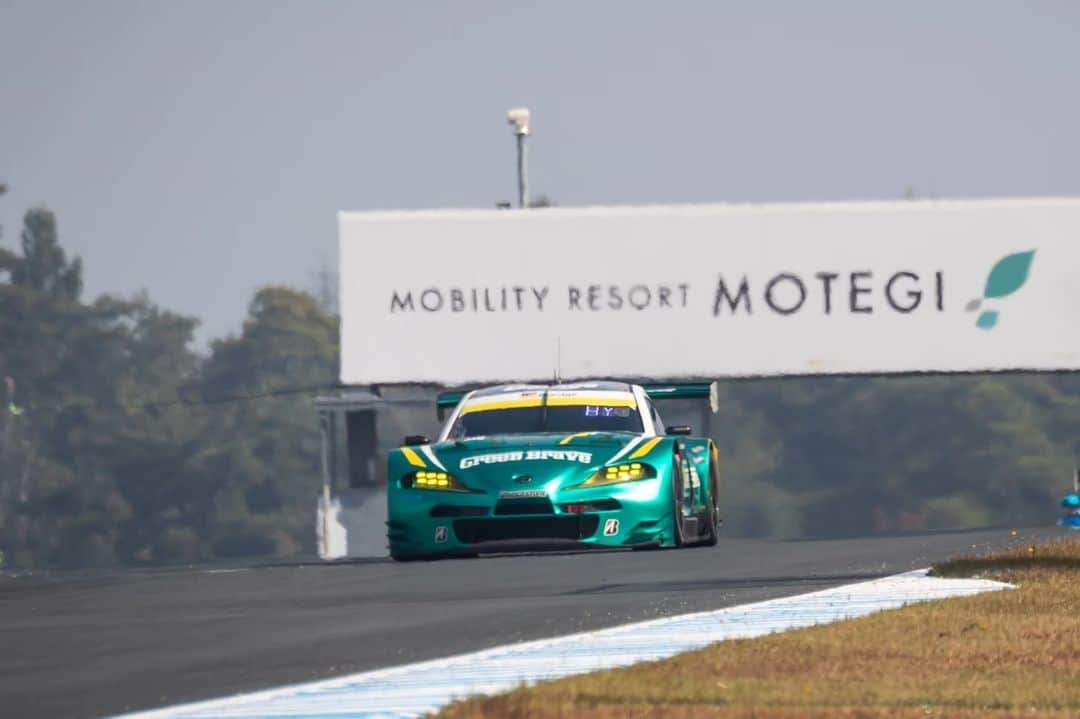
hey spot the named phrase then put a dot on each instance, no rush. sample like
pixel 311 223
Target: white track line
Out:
pixel 416 689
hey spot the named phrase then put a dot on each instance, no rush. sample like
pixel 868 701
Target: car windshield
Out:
pixel 572 418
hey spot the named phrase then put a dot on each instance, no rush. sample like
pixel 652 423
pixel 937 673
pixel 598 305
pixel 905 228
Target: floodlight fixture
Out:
pixel 519 119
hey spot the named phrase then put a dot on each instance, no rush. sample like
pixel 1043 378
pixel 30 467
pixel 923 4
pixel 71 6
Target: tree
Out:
pixel 44 266
pixel 266 455
pixel 50 346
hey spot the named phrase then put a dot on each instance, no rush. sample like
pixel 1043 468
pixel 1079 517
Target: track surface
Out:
pixel 90 646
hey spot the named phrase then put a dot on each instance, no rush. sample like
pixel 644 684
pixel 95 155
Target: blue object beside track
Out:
pixel 1071 519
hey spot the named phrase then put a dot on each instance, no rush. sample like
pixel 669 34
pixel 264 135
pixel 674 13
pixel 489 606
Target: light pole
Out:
pixel 519 119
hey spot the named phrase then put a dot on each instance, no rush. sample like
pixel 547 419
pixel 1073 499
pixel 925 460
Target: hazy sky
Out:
pixel 201 149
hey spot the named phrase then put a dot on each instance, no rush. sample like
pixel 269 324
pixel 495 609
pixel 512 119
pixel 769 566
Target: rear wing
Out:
pixel 446 401
pixel 692 390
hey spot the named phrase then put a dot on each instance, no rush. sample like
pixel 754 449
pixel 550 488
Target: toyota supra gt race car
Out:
pixel 548 466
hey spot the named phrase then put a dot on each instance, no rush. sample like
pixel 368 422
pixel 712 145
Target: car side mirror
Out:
pixel 412 440
pixel 681 429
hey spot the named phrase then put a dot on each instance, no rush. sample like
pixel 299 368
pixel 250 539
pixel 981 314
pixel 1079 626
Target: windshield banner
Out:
pixel 455 297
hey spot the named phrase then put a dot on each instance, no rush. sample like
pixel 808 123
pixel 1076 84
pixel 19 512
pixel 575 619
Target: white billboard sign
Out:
pixel 456 297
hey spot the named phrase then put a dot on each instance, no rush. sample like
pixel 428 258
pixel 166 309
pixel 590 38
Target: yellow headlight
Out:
pixel 619 473
pixel 433 480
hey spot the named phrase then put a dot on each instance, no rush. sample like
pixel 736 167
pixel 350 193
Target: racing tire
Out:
pixel 677 532
pixel 713 515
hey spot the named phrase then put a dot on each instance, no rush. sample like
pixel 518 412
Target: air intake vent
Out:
pixel 475 531
pixel 455 510
pixel 524 506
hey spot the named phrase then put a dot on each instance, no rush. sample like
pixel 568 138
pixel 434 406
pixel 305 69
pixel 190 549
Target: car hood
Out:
pixel 540 457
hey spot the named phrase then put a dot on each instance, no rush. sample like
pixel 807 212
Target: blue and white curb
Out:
pixel 417 689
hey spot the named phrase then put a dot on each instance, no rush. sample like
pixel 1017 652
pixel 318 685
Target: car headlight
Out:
pixel 433 480
pixel 617 474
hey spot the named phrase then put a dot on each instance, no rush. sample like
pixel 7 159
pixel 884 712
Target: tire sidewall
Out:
pixel 676 500
pixel 714 510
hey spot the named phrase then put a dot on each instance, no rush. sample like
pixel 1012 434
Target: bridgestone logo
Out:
pixel 533 455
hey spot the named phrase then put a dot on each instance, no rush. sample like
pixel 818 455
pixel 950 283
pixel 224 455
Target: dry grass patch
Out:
pixel 1014 653
pixel 1059 554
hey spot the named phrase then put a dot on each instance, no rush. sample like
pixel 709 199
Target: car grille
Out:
pixel 473 531
pixel 457 510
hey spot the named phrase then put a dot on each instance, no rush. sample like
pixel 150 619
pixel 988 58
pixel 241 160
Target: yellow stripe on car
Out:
pixel 503 404
pixel 577 401
pixel 646 448
pixel 572 437
pixel 413 457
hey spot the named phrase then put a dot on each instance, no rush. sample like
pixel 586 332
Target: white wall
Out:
pixel 352 524
pixel 635 291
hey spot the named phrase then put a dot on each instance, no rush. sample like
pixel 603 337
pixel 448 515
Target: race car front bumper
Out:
pixel 423 523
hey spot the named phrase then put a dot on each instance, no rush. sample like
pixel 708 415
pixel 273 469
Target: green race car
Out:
pixel 536 466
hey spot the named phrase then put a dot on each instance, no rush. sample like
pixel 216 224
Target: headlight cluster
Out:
pixel 618 473
pixel 433 480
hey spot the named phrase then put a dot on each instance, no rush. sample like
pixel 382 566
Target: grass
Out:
pixel 1014 653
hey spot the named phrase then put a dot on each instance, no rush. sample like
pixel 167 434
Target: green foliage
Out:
pixel 127 447
pixel 124 452
pixel 44 266
pixel 862 456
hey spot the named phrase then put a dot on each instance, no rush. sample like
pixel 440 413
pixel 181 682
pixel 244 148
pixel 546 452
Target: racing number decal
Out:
pixel 440 535
pixel 611 527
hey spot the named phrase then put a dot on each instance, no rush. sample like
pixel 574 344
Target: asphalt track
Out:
pixel 95 645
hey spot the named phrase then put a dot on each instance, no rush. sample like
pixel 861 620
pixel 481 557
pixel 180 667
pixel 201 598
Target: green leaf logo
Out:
pixel 987 320
pixel 1008 275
